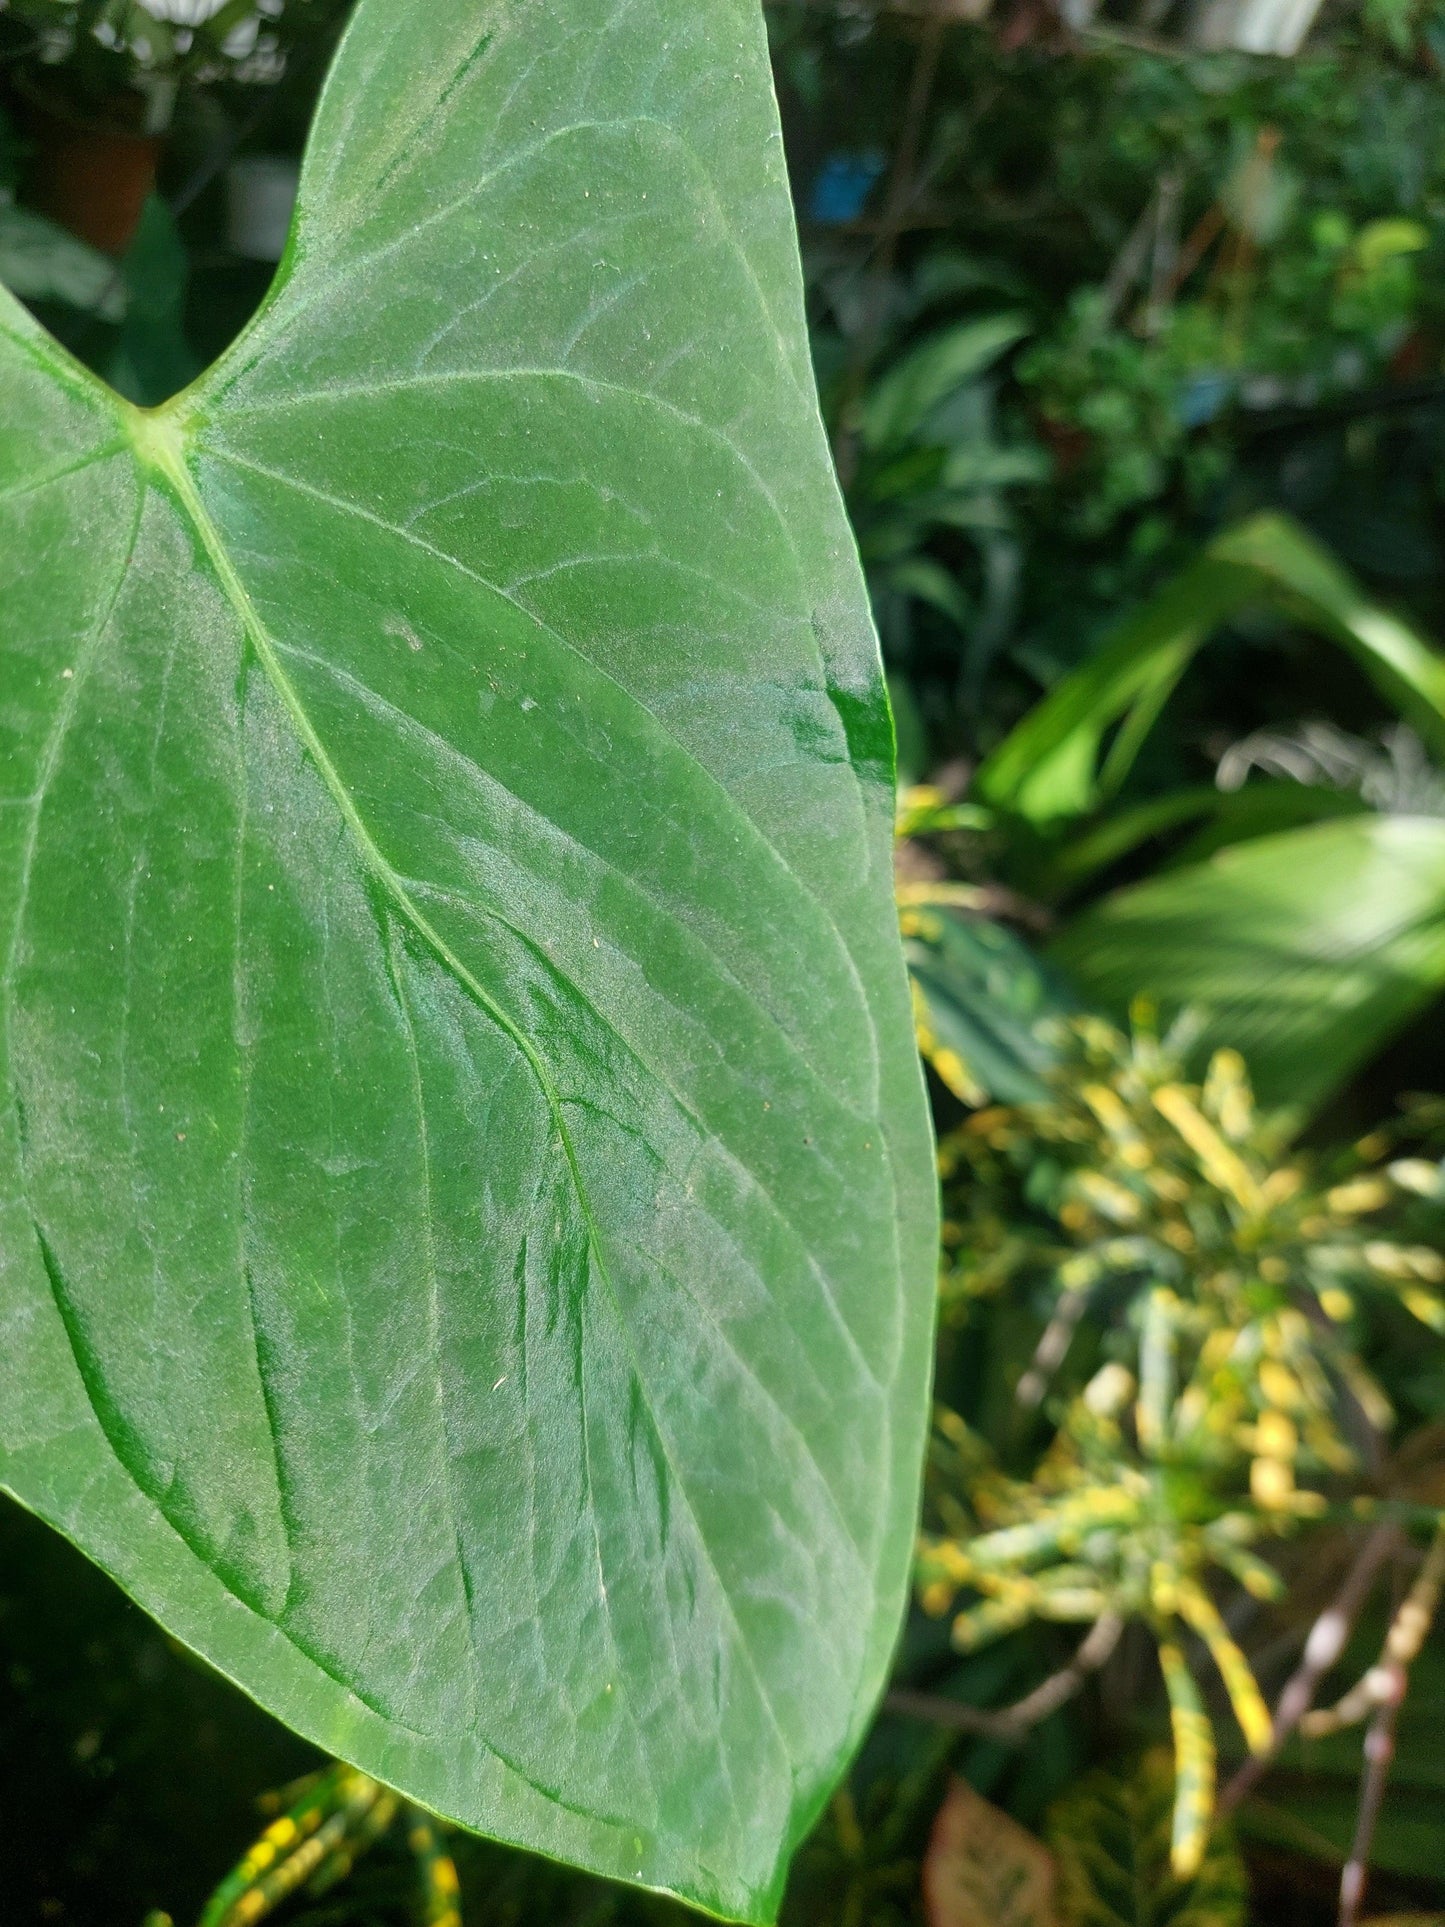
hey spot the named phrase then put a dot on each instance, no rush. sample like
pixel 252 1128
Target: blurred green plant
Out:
pixel 929 470
pixel 1110 1837
pixel 1304 919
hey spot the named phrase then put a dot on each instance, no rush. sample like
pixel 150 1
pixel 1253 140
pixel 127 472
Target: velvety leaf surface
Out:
pixel 466 1222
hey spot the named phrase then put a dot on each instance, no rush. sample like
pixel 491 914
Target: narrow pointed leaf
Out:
pixel 465 1207
pixel 1052 766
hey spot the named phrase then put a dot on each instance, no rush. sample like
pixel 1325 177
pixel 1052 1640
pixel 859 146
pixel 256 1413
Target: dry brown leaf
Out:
pixel 983 1869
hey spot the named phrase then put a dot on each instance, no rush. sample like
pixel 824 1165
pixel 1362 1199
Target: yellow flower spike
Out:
pixel 917 806
pixel 936 1597
pixel 1215 1350
pixel 296 1847
pixel 1111 1111
pixel 1424 1306
pixel 1166 1184
pixel 1402 1264
pixel 1156 1369
pixel 1069 1605
pixel 1221 1164
pixel 951 1425
pixel 1193 1763
pixel 436 1873
pixel 1280 1186
pixel 990 1620
pixel 1109 1390
pixel 1418 1175
pixel 1276 1436
pixel 1372 1401
pixel 1109 1198
pixel 1359 1195
pixel 1200 1613
pixel 1164 1588
pixel 1259 1580
pixel 1227 1095
pixel 1280 1386
pixel 1271 1484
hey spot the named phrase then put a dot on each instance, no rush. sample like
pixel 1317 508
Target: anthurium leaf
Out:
pixel 466 1219
pixel 1306 950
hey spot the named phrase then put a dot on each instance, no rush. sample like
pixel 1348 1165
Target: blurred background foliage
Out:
pixel 1129 324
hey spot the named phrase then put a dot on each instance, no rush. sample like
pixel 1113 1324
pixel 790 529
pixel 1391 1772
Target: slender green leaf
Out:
pixel 466 1218
pixel 41 261
pixel 901 401
pixel 1049 767
pixel 1261 808
pixel 1306 581
pixel 1305 950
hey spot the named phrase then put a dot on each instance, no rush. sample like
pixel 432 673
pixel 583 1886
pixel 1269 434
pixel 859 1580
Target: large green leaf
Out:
pixel 466 1216
pixel 1305 950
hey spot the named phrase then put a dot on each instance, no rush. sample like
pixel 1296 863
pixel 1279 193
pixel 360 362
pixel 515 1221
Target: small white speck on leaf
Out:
pixel 399 627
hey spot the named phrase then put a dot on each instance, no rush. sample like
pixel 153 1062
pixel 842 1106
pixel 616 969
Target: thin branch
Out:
pixel 1408 1631
pixel 1379 1753
pixel 1049 1352
pixel 1011 1724
pixel 1323 1647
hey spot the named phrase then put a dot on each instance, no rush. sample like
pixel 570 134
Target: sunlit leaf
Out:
pixel 1305 951
pixel 1053 764
pixel 466 1222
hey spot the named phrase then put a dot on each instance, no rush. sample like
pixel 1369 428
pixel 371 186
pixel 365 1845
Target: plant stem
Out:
pixel 1011 1724
pixel 1326 1642
pixel 1379 1752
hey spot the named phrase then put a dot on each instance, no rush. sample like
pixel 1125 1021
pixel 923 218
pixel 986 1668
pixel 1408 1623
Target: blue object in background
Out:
pixel 1202 397
pixel 842 186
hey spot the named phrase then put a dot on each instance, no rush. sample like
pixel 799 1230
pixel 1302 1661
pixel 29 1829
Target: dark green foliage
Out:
pixel 1110 1836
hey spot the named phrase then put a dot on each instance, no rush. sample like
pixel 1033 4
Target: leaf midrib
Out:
pixel 158 439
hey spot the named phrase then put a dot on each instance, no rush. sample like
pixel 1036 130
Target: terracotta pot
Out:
pixel 93 177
